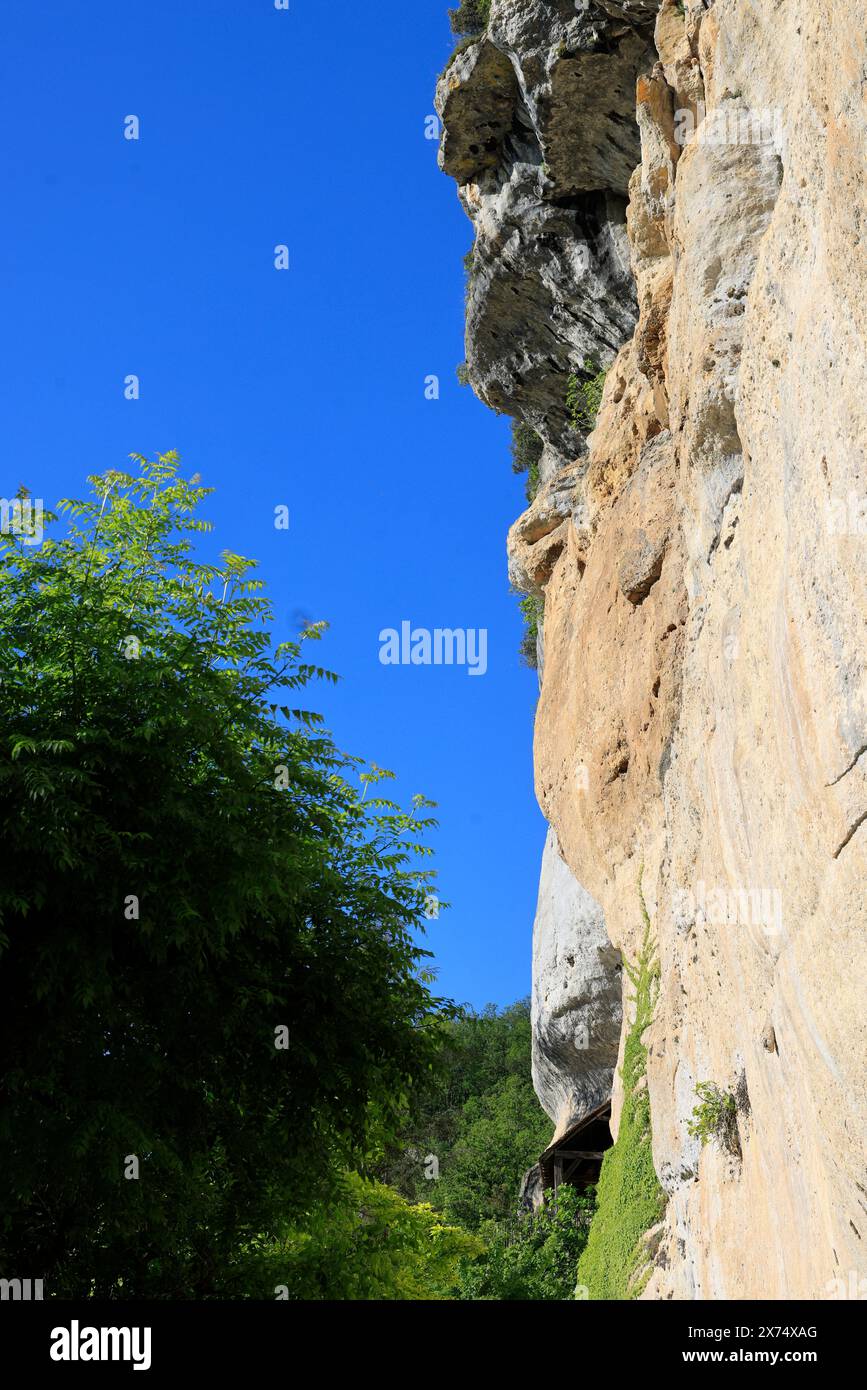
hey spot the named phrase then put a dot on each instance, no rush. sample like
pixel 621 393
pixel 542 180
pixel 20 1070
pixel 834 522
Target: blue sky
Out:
pixel 303 387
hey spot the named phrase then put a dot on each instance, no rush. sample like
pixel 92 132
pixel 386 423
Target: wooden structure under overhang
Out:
pixel 575 1157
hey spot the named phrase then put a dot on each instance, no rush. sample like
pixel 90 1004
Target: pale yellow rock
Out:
pixel 702 717
pixel 705 642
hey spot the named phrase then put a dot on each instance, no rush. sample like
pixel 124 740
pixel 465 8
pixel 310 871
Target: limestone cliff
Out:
pixel 677 192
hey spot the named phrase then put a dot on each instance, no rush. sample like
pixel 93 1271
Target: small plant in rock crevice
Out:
pixel 527 447
pixel 468 23
pixel 532 608
pixel 469 259
pixel 715 1117
pixel 584 396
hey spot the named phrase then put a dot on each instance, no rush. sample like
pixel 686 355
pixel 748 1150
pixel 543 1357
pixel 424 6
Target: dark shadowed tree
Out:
pixel 211 991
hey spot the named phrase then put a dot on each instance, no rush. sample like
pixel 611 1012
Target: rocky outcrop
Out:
pixel 539 132
pixel 678 192
pixel 576 1009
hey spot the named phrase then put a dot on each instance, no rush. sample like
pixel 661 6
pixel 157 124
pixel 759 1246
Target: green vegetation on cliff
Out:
pixel 715 1117
pixel 470 18
pixel 532 608
pixel 584 396
pixel 630 1199
pixel 527 447
pixel 468 22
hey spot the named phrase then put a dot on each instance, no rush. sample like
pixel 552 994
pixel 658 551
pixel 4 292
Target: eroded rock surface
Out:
pixel 540 135
pixel 576 1008
pixel 678 192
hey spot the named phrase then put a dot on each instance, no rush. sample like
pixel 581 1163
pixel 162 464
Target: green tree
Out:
pixel 477 1117
pixel 368 1242
pixel 502 1133
pixel 532 1256
pixel 209 959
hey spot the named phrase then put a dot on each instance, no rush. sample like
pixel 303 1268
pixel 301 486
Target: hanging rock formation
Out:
pixel 576 1007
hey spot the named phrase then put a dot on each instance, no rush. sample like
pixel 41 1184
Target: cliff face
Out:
pixel 678 192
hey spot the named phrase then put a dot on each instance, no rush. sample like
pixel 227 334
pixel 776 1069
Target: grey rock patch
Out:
pixel 576 1007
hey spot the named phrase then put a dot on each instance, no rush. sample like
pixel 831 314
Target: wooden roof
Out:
pixel 597 1119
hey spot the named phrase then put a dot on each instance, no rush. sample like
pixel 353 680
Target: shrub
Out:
pixel 470 18
pixel 532 1256
pixel 533 610
pixel 584 396
pixel 715 1117
pixel 368 1242
pixel 527 447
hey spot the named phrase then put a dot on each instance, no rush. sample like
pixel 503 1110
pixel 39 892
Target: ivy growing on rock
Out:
pixel 630 1198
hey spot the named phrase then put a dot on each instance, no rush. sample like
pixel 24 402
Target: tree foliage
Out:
pixel 532 1256
pixel 188 867
pixel 368 1242
pixel 478 1117
pixel 532 608
pixel 455 1230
